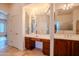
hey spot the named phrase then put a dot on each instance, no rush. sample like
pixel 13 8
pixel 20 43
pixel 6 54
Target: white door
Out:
pixel 11 31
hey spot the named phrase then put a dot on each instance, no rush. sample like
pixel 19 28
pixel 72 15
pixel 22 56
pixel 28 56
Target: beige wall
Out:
pixel 4 7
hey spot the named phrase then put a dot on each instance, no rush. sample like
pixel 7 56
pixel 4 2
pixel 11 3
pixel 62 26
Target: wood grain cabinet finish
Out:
pixel 75 48
pixel 29 44
pixel 61 47
pixel 46 47
pixel 66 47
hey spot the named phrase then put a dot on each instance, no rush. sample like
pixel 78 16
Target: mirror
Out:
pixel 38 19
pixel 63 19
pixel 76 19
pixel 26 23
pixel 43 23
pixel 40 24
pixel 33 25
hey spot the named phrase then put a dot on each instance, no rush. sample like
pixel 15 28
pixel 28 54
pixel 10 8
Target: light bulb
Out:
pixel 71 4
pixel 67 6
pixel 64 7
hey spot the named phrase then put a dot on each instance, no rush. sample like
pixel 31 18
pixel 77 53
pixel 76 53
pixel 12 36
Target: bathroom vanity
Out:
pixel 66 45
pixel 37 29
pixel 66 38
pixel 30 43
pixel 63 47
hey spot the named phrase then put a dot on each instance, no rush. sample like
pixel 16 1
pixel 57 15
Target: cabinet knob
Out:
pixel 16 33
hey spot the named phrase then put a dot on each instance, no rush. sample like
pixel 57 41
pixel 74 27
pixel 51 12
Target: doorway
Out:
pixel 3 33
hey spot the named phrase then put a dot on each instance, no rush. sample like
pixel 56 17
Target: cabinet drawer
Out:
pixel 29 44
pixel 45 40
pixel 47 43
pixel 75 48
pixel 36 39
pixel 33 39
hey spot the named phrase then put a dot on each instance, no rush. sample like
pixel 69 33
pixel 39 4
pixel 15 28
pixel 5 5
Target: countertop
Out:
pixel 38 36
pixel 67 36
pixel 56 36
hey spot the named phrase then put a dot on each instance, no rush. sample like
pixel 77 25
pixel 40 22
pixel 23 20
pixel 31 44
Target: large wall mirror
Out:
pixel 33 25
pixel 63 19
pixel 37 19
pixel 40 24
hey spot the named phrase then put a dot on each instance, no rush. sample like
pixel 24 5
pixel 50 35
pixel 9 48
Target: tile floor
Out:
pixel 11 51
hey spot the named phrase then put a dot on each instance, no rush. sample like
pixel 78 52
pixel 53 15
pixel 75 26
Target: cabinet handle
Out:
pixel 16 33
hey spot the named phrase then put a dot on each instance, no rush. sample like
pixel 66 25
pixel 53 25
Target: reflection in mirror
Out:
pixel 76 19
pixel 33 25
pixel 43 24
pixel 57 25
pixel 39 19
pixel 63 19
pixel 26 23
pixel 40 24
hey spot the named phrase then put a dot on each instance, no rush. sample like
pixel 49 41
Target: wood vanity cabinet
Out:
pixel 66 47
pixel 75 48
pixel 46 47
pixel 29 44
pixel 61 47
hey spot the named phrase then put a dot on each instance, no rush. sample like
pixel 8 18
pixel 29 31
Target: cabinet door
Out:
pixel 75 48
pixel 32 43
pixel 61 47
pixel 46 47
pixel 29 44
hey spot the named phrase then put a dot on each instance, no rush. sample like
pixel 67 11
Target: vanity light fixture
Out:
pixel 68 6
